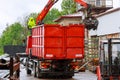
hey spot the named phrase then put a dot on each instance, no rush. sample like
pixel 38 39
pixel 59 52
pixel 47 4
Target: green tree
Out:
pixel 13 35
pixel 68 7
pixel 1 48
pixel 52 15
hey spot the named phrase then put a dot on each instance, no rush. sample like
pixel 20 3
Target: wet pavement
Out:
pixel 3 73
pixel 87 75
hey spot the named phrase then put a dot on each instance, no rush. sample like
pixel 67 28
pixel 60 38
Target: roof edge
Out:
pixel 58 19
pixel 108 12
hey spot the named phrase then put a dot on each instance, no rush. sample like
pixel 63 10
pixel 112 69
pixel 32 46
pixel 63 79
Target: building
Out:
pixel 65 20
pixel 109 24
pixel 99 6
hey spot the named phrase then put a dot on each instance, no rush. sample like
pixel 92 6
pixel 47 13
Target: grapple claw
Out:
pixel 90 23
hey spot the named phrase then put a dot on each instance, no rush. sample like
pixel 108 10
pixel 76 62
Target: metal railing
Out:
pixel 101 3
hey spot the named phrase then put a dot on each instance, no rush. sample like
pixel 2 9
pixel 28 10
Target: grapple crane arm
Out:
pixel 82 3
pixel 50 3
pixel 43 13
pixel 90 21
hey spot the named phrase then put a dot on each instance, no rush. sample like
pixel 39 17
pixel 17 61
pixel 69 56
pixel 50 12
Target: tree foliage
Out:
pixel 13 35
pixel 68 6
pixel 52 15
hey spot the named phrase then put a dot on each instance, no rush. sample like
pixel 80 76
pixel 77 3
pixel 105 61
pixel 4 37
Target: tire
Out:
pixel 67 77
pixel 28 71
pixel 38 70
pixel 34 70
pixel 104 78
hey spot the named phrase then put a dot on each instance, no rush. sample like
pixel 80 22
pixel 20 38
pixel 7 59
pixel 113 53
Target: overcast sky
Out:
pixel 11 10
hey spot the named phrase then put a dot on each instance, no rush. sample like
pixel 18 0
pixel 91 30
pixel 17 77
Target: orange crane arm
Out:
pixel 41 16
pixel 82 3
pixel 86 5
pixel 50 3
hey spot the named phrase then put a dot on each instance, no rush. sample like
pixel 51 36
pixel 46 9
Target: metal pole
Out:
pixel 110 55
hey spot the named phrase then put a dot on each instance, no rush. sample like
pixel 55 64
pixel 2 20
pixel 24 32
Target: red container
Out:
pixel 58 42
pixel 29 44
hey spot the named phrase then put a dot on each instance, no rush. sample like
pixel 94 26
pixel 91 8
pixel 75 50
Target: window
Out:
pixel 98 3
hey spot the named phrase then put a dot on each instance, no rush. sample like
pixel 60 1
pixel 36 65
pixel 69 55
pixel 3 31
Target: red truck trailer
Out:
pixel 54 50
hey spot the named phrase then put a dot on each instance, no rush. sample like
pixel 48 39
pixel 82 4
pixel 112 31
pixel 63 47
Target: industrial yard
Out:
pixel 81 41
pixel 87 75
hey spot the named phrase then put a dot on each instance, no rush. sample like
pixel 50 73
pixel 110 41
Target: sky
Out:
pixel 11 10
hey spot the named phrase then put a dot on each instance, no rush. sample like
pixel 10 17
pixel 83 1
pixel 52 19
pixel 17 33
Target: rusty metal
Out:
pixel 12 66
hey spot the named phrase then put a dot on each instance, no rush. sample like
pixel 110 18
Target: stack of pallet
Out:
pixel 91 53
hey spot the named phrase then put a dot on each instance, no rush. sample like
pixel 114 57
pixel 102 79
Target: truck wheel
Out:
pixel 38 70
pixel 28 71
pixel 38 73
pixel 67 77
pixel 34 69
pixel 27 67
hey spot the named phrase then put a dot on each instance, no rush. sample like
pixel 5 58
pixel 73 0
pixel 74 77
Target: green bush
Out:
pixel 1 51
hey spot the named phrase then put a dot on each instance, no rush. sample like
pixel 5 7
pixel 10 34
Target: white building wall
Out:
pixel 116 3
pixel 108 24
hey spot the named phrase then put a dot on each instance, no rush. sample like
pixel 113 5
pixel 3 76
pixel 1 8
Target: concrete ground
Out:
pixel 87 75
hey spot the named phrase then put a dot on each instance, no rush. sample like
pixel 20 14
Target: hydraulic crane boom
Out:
pixel 90 21
pixel 41 16
pixel 87 6
pixel 82 3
